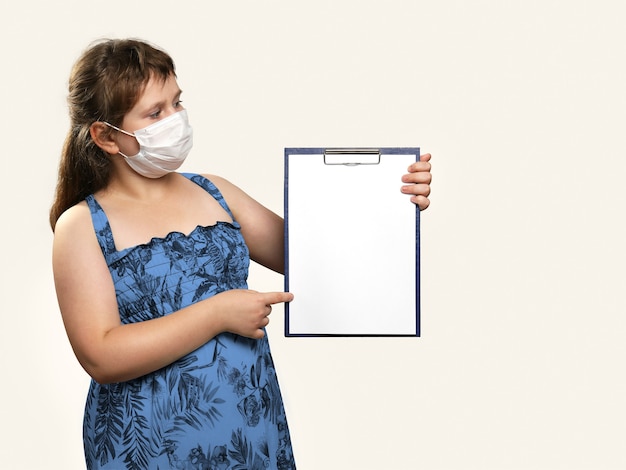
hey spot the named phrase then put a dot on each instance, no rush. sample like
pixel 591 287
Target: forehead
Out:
pixel 157 90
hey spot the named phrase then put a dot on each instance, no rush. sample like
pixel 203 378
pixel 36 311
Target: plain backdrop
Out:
pixel 522 104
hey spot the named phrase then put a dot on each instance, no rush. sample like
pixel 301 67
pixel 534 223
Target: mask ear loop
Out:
pixel 119 130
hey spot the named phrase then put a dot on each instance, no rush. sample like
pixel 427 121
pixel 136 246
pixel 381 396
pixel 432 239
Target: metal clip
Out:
pixel 352 156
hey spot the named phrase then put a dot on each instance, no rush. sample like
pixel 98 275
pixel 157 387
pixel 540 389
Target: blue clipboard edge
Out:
pixel 321 150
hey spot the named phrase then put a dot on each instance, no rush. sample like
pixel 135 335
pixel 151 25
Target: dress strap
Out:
pixel 209 187
pixel 101 226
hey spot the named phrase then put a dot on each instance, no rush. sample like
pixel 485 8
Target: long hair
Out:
pixel 105 83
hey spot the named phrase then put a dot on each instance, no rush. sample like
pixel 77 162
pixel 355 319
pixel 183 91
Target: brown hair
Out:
pixel 105 83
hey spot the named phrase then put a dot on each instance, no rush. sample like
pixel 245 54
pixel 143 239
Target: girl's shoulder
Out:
pixel 227 188
pixel 74 218
pixel 74 233
pixel 215 179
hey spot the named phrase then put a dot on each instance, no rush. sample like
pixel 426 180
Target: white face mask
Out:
pixel 163 146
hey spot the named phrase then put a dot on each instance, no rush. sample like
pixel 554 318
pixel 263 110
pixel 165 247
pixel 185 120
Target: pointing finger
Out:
pixel 278 297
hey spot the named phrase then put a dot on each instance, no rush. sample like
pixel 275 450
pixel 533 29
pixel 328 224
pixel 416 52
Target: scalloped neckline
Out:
pixel 170 235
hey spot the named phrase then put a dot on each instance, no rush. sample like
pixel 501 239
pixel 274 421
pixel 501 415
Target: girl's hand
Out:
pixel 418 182
pixel 246 312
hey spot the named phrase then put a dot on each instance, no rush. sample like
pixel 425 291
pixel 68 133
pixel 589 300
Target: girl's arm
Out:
pixel 112 352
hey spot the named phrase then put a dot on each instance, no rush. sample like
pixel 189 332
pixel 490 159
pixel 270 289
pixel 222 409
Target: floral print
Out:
pixel 218 408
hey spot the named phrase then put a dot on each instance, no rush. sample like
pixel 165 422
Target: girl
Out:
pixel 150 268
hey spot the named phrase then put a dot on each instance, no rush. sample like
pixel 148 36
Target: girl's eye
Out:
pixel 155 114
pixel 178 104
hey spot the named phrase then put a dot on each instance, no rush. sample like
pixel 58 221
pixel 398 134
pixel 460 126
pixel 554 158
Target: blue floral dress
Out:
pixel 220 406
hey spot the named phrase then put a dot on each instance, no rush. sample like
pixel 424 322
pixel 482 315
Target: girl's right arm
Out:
pixel 112 352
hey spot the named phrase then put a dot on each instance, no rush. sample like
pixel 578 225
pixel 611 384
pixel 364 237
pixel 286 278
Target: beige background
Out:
pixel 522 103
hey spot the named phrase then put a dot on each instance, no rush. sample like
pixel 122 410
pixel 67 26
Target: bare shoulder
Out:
pixel 73 222
pixel 80 271
pixel 219 181
pixel 231 192
pixel 74 233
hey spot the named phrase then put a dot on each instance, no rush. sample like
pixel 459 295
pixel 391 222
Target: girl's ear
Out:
pixel 103 137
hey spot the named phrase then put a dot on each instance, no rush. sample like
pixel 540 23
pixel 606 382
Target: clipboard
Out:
pixel 351 243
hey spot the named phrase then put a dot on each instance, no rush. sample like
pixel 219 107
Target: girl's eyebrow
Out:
pixel 160 103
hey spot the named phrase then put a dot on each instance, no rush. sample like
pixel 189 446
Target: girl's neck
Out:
pixel 129 185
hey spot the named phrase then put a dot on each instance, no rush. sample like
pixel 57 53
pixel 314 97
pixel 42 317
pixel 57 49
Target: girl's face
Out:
pixel 158 101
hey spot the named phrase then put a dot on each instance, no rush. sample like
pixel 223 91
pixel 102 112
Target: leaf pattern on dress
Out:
pixel 109 422
pixel 136 444
pixel 220 406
